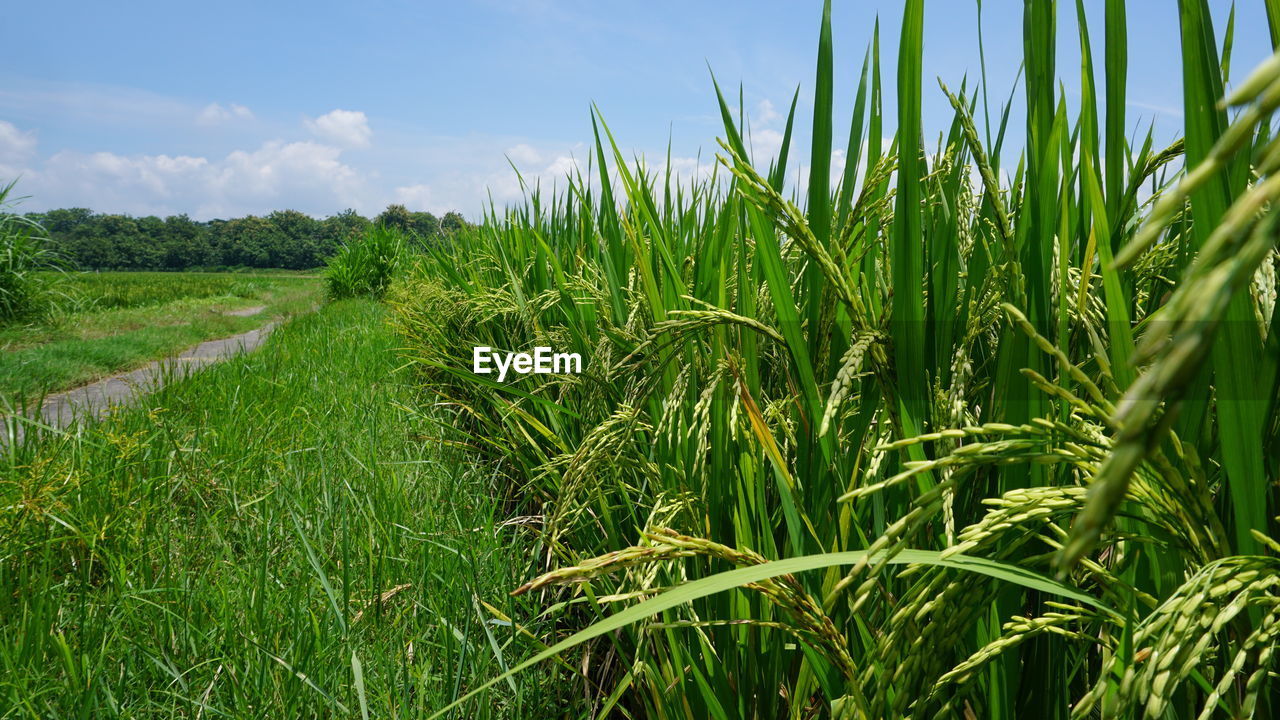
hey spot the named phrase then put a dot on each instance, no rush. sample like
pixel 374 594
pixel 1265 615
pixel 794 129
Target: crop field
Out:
pixel 982 423
pixel 260 539
pixel 949 436
pixel 95 291
pixel 102 323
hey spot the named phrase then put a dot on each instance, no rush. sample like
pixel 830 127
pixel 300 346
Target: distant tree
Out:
pixel 88 248
pixel 338 229
pixel 67 229
pixel 215 238
pixel 144 250
pixel 453 221
pixel 425 225
pixel 294 240
pixel 395 216
pixel 185 243
pixel 246 242
pixel 282 239
pixel 65 221
pixel 128 248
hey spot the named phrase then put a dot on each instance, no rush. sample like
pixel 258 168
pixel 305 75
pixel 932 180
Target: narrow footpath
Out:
pixel 96 399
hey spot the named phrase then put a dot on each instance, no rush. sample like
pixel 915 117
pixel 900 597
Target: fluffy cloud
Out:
pixel 306 176
pixel 562 167
pixel 434 173
pixel 417 197
pixel 15 145
pixel 347 128
pixel 16 148
pixel 524 155
pixel 466 173
pixel 215 114
pixel 766 114
pixel 765 146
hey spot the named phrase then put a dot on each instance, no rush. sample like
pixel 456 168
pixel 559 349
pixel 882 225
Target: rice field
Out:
pixel 103 323
pixel 981 428
pixel 113 290
pixel 984 423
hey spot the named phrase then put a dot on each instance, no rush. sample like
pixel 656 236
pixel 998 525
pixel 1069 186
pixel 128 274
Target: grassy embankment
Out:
pixel 1010 431
pixel 113 321
pixel 218 551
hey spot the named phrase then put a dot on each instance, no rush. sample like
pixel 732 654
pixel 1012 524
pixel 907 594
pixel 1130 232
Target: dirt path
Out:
pixel 96 399
pixel 246 312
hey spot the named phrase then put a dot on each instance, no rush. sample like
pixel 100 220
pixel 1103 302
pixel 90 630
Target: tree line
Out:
pixel 283 239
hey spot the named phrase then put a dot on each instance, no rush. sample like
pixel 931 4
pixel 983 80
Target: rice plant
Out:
pixel 26 290
pixel 947 437
pixel 366 264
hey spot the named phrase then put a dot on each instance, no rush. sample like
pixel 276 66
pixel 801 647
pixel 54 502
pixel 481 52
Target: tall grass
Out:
pixel 261 539
pixel 25 291
pixel 365 265
pixel 942 438
pixel 117 290
pixel 109 322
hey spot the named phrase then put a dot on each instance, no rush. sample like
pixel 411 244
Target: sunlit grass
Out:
pixel 109 322
pixel 244 540
pixel 936 355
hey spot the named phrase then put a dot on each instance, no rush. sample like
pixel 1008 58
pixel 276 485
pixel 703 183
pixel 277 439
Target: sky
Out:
pixel 233 108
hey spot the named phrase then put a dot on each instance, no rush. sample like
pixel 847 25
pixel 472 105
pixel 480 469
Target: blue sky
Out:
pixel 229 108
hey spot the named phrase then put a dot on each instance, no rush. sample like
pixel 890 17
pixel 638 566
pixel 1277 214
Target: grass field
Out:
pixel 219 551
pixel 940 435
pixel 110 322
pixel 943 435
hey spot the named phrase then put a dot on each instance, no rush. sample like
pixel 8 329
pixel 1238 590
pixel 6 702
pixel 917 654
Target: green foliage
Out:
pixel 425 225
pixel 285 239
pixel 118 290
pixel 933 359
pixel 365 266
pixel 112 321
pixel 261 540
pixel 453 222
pixel 396 217
pixel 26 288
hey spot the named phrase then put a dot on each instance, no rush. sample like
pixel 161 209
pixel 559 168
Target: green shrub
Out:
pixel 25 292
pixel 365 266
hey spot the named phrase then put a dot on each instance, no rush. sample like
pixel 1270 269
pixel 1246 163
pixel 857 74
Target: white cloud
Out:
pixel 562 167
pixel 765 146
pixel 686 170
pixel 14 143
pixel 278 172
pixel 16 148
pixel 319 177
pixel 465 173
pixel 838 162
pixel 766 114
pixel 416 197
pixel 305 176
pixel 524 155
pixel 348 128
pixel 216 114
